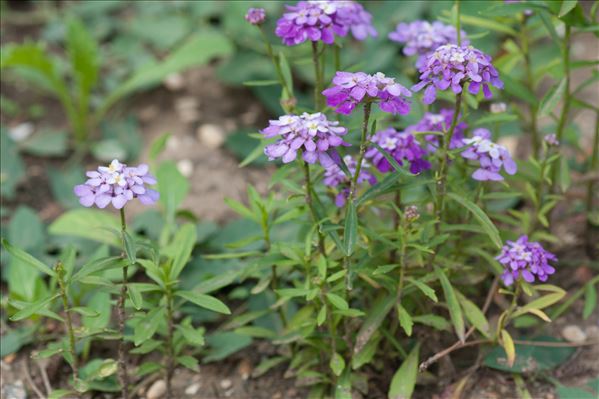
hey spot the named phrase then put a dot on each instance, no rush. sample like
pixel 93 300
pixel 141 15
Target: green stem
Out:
pixel 442 175
pixel 337 58
pixel 591 185
pixel 457 22
pixel 68 320
pixel 363 145
pixel 396 220
pixel 276 64
pixel 122 317
pixel 511 309
pixel 309 203
pixel 566 103
pixel 317 77
pixel 170 349
pixel 534 108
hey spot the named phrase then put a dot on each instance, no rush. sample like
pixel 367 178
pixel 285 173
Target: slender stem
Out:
pixel 337 58
pixel 457 22
pixel 309 203
pixel 277 66
pixel 561 127
pixel 591 186
pixel 363 145
pixel 170 349
pixel 68 320
pixel 540 189
pixel 442 175
pixel 122 316
pixel 317 77
pixel 534 108
pixel 396 220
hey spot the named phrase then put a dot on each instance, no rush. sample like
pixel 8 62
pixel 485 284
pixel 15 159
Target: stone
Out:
pixel 157 390
pixel 21 132
pixel 185 166
pixel 174 82
pixel 211 135
pixel 574 333
pixel 226 383
pixel 193 389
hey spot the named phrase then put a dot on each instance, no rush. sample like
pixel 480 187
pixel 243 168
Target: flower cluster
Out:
pixel 322 20
pixel 349 89
pixel 311 133
pixel 526 259
pixel 551 140
pixel 452 65
pixel 255 16
pixel 440 122
pixel 491 156
pixel 117 184
pixel 422 38
pixel 401 146
pixel 334 177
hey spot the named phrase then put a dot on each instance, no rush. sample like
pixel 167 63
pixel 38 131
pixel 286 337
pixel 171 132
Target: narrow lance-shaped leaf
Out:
pixel 404 379
pixel 28 259
pixel 33 308
pixel 552 98
pixel 204 301
pixel 350 233
pixel 508 346
pixel 480 216
pixel 455 312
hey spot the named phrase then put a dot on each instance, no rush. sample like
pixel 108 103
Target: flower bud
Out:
pixel 255 16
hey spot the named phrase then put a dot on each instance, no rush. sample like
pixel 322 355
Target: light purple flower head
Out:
pixel 349 89
pixel 255 16
pixel 454 66
pixel 402 146
pixel 551 140
pixel 491 156
pixel 440 122
pixel 314 134
pixel 117 184
pixel 335 177
pixel 322 20
pixel 525 259
pixel 422 38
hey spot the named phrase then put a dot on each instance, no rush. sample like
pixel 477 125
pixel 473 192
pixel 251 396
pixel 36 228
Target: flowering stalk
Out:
pixel 534 108
pixel 170 350
pixel 68 320
pixel 317 77
pixel 566 103
pixel 277 66
pixel 457 22
pixel 309 203
pixel 363 145
pixel 122 353
pixel 442 174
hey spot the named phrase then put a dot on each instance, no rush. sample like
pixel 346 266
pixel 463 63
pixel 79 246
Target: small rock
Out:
pixel 185 166
pixel 277 395
pixel 14 391
pixel 210 135
pixel 21 132
pixel 192 389
pixel 226 383
pixel 157 390
pixel 174 82
pixel 574 333
pixel 244 368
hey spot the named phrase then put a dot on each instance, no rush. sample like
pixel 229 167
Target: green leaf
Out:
pixel 426 290
pixel 26 230
pixel 530 358
pixel 517 89
pixel 376 314
pixel 33 308
pixel 188 361
pixel 565 177
pixel 61 393
pixel 204 301
pixel 130 249
pixel 62 181
pixel 85 311
pixel 564 392
pixel 455 312
pixel 15 339
pixel 286 71
pixel 241 209
pixel 434 321
pixel 84 57
pixel 474 315
pixel 197 50
pixel 92 224
pixel 590 300
pixel 480 216
pixel 135 296
pixel 404 379
pixel 181 248
pixel 552 98
pixel 350 232
pixel 223 344
pixel 27 259
pixel 322 316
pixel 12 168
pixel 173 187
pixel 567 6
pixel 192 335
pixel 487 23
pixel 260 82
pixel 46 143
pixel 337 301
pixel 157 146
pixel 99 265
pixel 146 327
pixel 380 187
pixel 337 364
pixel 405 320
pixel 540 303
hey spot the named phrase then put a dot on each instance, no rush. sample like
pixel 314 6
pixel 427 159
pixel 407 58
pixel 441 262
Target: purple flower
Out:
pixel 402 146
pixel 454 66
pixel 422 38
pixel 255 16
pixel 335 177
pixel 311 133
pixel 117 184
pixel 526 259
pixel 349 89
pixel 322 20
pixel 491 156
pixel 551 140
pixel 440 122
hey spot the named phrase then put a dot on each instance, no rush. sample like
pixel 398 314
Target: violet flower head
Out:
pixel 349 89
pixel 491 157
pixel 402 146
pixel 255 16
pixel 422 38
pixel 323 19
pixel 117 184
pixel 440 122
pixel 335 177
pixel 455 66
pixel 313 134
pixel 551 140
pixel 525 259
